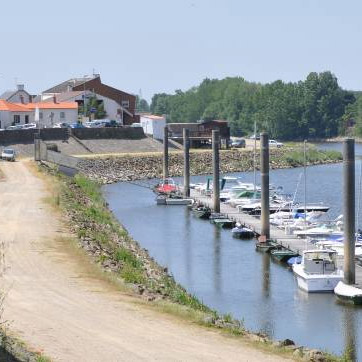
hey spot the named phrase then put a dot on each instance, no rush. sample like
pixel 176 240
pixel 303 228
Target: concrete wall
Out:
pixel 109 133
pixel 49 134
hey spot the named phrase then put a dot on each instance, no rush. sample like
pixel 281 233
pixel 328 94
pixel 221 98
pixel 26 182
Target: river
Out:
pixel 230 276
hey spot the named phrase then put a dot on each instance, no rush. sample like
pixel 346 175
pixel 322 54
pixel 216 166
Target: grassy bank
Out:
pixel 130 267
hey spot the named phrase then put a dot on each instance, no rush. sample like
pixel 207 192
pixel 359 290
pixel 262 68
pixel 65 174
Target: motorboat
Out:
pixel 318 271
pixel 166 186
pixel 242 232
pixel 348 293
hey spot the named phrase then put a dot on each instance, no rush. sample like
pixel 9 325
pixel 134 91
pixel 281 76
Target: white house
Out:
pixel 20 95
pixel 153 125
pixel 49 113
pixel 111 107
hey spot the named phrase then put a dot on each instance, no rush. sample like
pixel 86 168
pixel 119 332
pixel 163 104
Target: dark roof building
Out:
pixel 126 101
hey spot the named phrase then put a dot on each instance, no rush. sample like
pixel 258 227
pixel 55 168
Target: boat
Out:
pixel 266 246
pixel 242 232
pixel 283 254
pixel 217 215
pixel 173 199
pixel 223 223
pixel 202 212
pixel 178 201
pixel 348 293
pixel 166 186
pixel 294 260
pixel 318 271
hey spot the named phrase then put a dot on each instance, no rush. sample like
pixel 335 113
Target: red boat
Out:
pixel 166 186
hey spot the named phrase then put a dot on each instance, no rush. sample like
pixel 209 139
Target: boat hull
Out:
pixel 348 294
pixel 316 283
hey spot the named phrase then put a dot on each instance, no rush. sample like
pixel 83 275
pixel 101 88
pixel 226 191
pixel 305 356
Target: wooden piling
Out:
pixel 216 169
pixel 165 153
pixel 349 210
pixel 264 171
pixel 186 141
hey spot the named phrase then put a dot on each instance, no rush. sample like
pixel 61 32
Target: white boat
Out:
pixel 175 201
pixel 318 271
pixel 348 293
pixel 338 246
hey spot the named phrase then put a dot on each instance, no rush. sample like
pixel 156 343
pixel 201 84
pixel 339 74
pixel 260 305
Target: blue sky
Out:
pixel 162 45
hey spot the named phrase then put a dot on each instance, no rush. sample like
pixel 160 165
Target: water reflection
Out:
pixel 266 275
pixel 350 334
pixel 217 260
pixel 188 246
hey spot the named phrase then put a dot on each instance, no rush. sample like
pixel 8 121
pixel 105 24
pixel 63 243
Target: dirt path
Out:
pixel 57 306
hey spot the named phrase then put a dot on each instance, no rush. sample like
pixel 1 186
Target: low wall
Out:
pixel 27 135
pixel 55 134
pixel 109 133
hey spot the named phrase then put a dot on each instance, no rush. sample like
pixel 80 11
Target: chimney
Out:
pixel 20 87
pixel 21 99
pixel 54 99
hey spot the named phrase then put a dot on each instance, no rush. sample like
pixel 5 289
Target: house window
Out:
pixel 26 119
pixel 62 115
pixel 40 115
pixel 125 104
pixel 16 118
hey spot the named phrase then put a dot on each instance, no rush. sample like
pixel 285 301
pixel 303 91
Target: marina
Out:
pixel 230 276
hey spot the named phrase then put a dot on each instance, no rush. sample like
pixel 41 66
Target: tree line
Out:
pixel 314 108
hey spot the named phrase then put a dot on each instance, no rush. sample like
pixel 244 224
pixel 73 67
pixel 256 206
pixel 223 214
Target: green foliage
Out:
pixel 126 257
pixel 142 105
pixel 314 108
pixel 94 103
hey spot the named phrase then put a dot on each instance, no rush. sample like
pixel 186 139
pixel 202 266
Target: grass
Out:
pixel 295 157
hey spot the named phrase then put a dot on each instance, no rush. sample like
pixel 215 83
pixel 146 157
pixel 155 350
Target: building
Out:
pixel 200 132
pixel 12 114
pixel 20 95
pixel 118 104
pixel 153 125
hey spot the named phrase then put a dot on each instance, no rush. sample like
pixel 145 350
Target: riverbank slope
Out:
pixel 61 305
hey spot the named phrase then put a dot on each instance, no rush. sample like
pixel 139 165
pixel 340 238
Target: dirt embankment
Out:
pixel 59 305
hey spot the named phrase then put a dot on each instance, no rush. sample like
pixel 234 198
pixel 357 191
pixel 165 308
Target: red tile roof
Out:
pixel 29 107
pixel 12 107
pixel 52 105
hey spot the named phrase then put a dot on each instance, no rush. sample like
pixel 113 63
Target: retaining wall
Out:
pixel 55 134
pixel 109 133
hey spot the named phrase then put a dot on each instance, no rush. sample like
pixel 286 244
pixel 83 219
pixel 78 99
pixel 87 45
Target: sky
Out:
pixel 154 46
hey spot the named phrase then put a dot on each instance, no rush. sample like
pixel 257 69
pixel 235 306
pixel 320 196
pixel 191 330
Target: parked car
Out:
pixel 76 125
pixel 238 143
pixel 61 125
pixel 112 123
pixel 8 154
pixel 274 143
pixel 253 137
pixel 29 126
pixel 13 128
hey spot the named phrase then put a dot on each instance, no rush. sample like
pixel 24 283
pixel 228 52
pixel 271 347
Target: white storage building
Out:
pixel 153 125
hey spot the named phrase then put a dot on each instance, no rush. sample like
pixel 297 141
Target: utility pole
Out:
pixel 186 162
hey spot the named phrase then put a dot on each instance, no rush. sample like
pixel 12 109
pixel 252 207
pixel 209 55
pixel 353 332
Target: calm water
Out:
pixel 229 275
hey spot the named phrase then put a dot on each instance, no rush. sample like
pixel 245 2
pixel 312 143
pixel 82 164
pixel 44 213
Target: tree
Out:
pixel 93 106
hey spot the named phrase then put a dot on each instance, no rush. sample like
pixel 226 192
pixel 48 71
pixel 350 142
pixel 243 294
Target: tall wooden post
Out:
pixel 264 171
pixel 216 169
pixel 165 153
pixel 349 210
pixel 186 141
